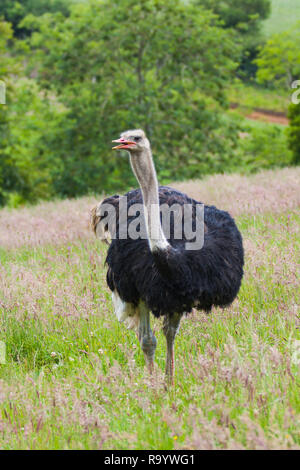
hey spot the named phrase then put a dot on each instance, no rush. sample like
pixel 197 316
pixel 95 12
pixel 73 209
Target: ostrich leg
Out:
pixel 170 329
pixel 146 337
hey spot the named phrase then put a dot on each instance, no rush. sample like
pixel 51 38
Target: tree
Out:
pixel 15 11
pixel 157 64
pixel 25 120
pixel 294 131
pixel 279 60
pixel 7 170
pixel 245 17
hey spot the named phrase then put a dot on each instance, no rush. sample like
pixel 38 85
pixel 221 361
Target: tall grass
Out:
pixel 75 378
pixel 250 97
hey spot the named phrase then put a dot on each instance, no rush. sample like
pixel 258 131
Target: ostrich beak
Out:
pixel 124 144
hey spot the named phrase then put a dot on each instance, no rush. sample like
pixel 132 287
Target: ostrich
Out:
pixel 160 275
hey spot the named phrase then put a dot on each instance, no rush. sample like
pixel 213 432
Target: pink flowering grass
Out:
pixel 64 222
pixel 268 191
pixel 74 377
pixel 56 223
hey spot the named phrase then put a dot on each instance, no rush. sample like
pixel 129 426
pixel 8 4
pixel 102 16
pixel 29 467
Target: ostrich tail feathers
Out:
pixel 94 219
pixel 99 228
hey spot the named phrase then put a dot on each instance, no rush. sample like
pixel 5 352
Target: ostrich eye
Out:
pixel 137 139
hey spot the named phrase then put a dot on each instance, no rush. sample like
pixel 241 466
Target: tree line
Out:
pixel 79 72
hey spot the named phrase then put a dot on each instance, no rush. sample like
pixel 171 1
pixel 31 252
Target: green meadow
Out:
pixel 74 378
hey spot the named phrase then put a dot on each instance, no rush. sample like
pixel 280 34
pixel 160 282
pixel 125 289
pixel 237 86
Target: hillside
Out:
pixel 285 13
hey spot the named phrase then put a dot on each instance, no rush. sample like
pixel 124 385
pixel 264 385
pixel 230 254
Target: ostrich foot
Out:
pixel 148 344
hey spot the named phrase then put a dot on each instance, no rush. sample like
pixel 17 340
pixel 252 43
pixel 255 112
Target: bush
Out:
pixel 263 146
pixel 245 17
pixel 279 59
pixel 15 11
pixel 294 132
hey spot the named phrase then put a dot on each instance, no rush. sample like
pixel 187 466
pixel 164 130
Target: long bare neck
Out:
pixel 144 170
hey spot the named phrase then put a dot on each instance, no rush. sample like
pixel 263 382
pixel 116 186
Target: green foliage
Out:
pixel 15 11
pixel 25 120
pixel 257 96
pixel 7 171
pixel 159 65
pixel 109 66
pixel 244 16
pixel 38 117
pixel 279 60
pixel 294 131
pixel 263 146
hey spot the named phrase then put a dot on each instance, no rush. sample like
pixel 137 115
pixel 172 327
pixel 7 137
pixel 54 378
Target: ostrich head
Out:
pixel 138 147
pixel 135 141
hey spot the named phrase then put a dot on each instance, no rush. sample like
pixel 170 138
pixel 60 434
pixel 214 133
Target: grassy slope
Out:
pixel 75 378
pixel 285 13
pixel 254 96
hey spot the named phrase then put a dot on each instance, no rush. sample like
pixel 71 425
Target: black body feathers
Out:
pixel 176 279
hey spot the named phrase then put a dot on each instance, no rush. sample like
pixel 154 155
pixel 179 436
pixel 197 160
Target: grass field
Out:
pixel 75 378
pixel 249 97
pixel 285 13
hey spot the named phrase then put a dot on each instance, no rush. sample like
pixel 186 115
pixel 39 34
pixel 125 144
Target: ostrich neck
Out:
pixel 144 170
